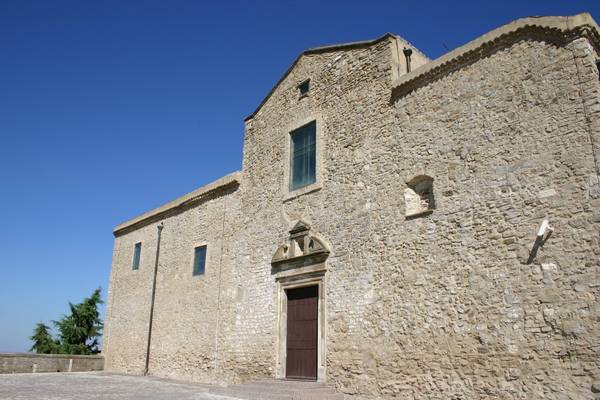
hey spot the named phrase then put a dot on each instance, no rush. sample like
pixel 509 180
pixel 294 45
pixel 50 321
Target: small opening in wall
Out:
pixel 418 196
pixel 426 198
pixel 304 87
pixel 598 67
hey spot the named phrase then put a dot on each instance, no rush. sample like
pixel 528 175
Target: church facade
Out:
pixel 401 228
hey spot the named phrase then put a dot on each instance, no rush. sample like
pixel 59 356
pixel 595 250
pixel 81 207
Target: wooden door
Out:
pixel 302 324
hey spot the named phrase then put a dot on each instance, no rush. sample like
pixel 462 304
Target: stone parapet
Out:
pixel 12 363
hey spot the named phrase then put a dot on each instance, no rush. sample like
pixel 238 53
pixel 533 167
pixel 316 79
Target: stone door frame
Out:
pixel 292 282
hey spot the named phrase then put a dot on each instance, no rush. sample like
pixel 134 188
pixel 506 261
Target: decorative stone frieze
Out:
pixel 301 248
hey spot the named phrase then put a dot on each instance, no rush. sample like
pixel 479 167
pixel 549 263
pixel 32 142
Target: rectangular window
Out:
pixel 199 260
pixel 137 251
pixel 303 152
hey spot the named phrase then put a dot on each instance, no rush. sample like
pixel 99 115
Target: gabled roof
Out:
pixel 556 29
pixel 317 50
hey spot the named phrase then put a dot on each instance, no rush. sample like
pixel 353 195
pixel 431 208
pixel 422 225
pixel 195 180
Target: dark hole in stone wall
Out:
pixel 418 196
pixel 304 87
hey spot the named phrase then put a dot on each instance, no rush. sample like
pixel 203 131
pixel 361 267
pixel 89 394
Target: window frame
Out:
pixel 137 256
pixel 198 246
pixel 291 144
pixel 287 193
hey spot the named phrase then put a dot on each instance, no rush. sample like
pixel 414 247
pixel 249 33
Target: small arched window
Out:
pixel 418 196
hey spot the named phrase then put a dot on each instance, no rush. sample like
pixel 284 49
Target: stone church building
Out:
pixel 401 228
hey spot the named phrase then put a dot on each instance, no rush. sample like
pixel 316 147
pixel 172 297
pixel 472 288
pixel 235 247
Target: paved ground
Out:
pixel 97 385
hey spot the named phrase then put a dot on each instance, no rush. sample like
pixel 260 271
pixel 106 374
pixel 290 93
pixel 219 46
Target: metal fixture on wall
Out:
pixel 543 234
pixel 544 227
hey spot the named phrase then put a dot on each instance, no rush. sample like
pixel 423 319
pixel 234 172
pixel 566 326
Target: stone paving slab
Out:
pixel 98 385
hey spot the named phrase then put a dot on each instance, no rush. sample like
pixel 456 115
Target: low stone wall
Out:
pixel 11 363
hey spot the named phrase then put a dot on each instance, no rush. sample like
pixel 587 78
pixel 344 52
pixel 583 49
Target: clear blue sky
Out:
pixel 111 108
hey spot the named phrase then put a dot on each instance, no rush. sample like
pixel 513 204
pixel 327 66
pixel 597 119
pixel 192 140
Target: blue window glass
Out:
pixel 199 260
pixel 137 251
pixel 303 168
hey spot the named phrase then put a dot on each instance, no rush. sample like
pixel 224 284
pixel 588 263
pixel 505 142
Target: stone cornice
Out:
pixel 557 30
pixel 224 184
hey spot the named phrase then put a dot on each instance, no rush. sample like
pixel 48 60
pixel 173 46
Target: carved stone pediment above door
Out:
pixel 302 249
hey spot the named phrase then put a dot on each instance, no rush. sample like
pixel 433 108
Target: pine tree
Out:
pixel 79 331
pixel 43 343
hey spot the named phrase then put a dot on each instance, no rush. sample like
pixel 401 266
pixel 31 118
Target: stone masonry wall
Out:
pixel 453 308
pixel 128 305
pixel 441 306
pixel 349 90
pixel 186 315
pixel 444 305
pixel 189 341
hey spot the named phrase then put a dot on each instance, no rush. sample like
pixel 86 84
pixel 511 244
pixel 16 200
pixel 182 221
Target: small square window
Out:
pixel 199 260
pixel 304 87
pixel 303 152
pixel 137 251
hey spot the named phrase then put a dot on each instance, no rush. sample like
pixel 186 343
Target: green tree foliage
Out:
pixel 78 332
pixel 43 343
